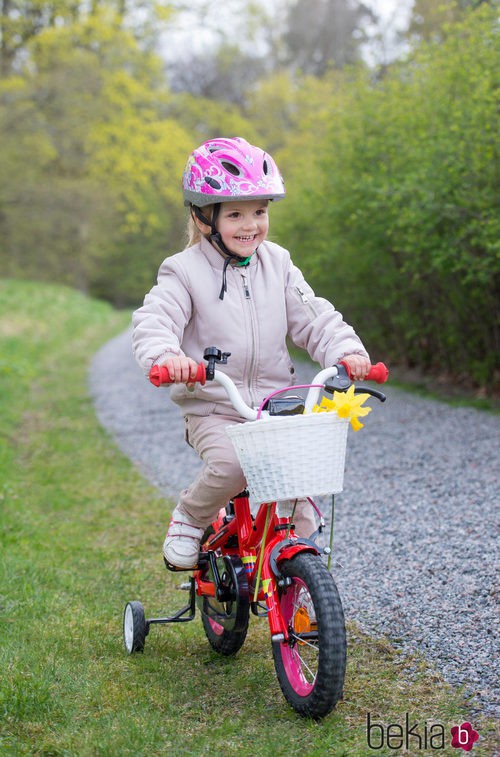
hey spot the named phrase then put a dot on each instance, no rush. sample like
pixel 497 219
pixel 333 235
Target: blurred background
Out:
pixel 382 116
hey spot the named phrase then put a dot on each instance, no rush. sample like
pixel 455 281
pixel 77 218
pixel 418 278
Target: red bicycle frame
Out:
pixel 262 543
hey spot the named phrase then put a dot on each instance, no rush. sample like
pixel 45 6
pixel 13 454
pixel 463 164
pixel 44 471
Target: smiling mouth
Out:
pixel 246 239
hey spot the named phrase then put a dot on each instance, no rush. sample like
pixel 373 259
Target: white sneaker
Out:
pixel 182 542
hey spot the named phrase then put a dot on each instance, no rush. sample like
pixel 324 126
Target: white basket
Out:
pixel 292 456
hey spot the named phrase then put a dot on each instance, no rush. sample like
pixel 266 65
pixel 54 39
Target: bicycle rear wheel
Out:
pixel 226 622
pixel 311 665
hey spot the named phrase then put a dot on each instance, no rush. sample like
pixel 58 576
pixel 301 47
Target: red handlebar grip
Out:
pixel 159 375
pixel 378 372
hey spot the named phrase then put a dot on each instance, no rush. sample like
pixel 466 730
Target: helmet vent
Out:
pixel 212 182
pixel 231 168
pixel 265 167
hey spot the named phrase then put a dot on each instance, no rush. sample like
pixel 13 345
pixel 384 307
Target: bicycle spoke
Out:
pixel 305 642
pixel 306 667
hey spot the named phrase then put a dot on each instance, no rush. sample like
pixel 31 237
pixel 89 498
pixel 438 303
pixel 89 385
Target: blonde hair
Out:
pixel 193 232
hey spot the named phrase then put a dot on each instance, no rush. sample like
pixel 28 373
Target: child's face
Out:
pixel 243 225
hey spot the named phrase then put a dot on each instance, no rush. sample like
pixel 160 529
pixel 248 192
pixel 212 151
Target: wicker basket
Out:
pixel 294 456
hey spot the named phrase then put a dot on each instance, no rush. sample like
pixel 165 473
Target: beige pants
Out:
pixel 221 477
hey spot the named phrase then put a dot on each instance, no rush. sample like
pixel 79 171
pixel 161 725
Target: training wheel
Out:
pixel 135 628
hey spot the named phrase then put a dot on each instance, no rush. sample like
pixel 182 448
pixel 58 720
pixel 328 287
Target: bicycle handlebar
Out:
pixel 159 375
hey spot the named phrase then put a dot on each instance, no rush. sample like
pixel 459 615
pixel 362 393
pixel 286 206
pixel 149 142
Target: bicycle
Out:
pixel 257 564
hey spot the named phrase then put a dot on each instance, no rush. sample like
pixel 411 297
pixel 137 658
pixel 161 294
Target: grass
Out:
pixel 81 534
pixel 444 391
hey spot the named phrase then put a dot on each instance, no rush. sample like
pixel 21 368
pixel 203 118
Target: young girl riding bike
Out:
pixel 233 288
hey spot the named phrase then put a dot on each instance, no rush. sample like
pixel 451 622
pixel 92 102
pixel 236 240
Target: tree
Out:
pixel 23 20
pixel 55 215
pixel 323 34
pixel 205 118
pixel 286 107
pixel 429 19
pixel 392 203
pixel 300 37
pixel 25 152
pixel 227 74
pixel 96 183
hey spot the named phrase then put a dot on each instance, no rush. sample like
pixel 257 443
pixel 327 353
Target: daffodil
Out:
pixel 346 405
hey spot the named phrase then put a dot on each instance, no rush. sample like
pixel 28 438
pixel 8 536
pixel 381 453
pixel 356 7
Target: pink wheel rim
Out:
pixel 300 675
pixel 216 627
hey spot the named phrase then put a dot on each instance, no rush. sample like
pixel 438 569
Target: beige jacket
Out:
pixel 266 302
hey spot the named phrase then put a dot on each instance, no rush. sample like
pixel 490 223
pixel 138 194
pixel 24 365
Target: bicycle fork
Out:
pixel 274 583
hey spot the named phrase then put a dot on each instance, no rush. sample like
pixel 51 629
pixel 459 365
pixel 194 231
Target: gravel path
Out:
pixel 415 528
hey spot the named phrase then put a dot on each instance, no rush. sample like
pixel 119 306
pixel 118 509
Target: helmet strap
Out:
pixel 199 215
pixel 216 239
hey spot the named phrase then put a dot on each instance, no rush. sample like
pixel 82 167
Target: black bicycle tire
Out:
pixel 332 646
pixel 234 630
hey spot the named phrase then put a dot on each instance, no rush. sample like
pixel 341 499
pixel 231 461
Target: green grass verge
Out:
pixel 81 534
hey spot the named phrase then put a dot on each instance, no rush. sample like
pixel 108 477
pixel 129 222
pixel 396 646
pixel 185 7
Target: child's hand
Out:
pixel 181 370
pixel 359 366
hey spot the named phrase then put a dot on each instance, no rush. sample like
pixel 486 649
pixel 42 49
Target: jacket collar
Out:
pixel 217 260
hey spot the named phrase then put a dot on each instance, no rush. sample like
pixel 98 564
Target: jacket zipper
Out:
pixel 302 295
pixel 305 300
pixel 246 290
pixel 251 372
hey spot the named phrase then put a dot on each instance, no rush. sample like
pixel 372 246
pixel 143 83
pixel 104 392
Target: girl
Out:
pixel 234 289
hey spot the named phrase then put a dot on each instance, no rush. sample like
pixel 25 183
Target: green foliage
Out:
pixel 21 21
pixel 92 147
pixel 287 110
pixel 430 20
pixel 404 189
pixel 61 217
pixel 205 118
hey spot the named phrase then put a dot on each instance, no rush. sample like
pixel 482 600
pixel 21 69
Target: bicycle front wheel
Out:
pixel 311 665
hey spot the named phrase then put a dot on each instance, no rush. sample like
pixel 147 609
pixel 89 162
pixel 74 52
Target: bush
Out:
pixel 404 232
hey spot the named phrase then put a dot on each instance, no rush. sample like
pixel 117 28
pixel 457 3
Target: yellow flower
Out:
pixel 346 405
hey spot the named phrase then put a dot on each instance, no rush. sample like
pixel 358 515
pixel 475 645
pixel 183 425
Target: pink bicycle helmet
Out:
pixel 230 169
